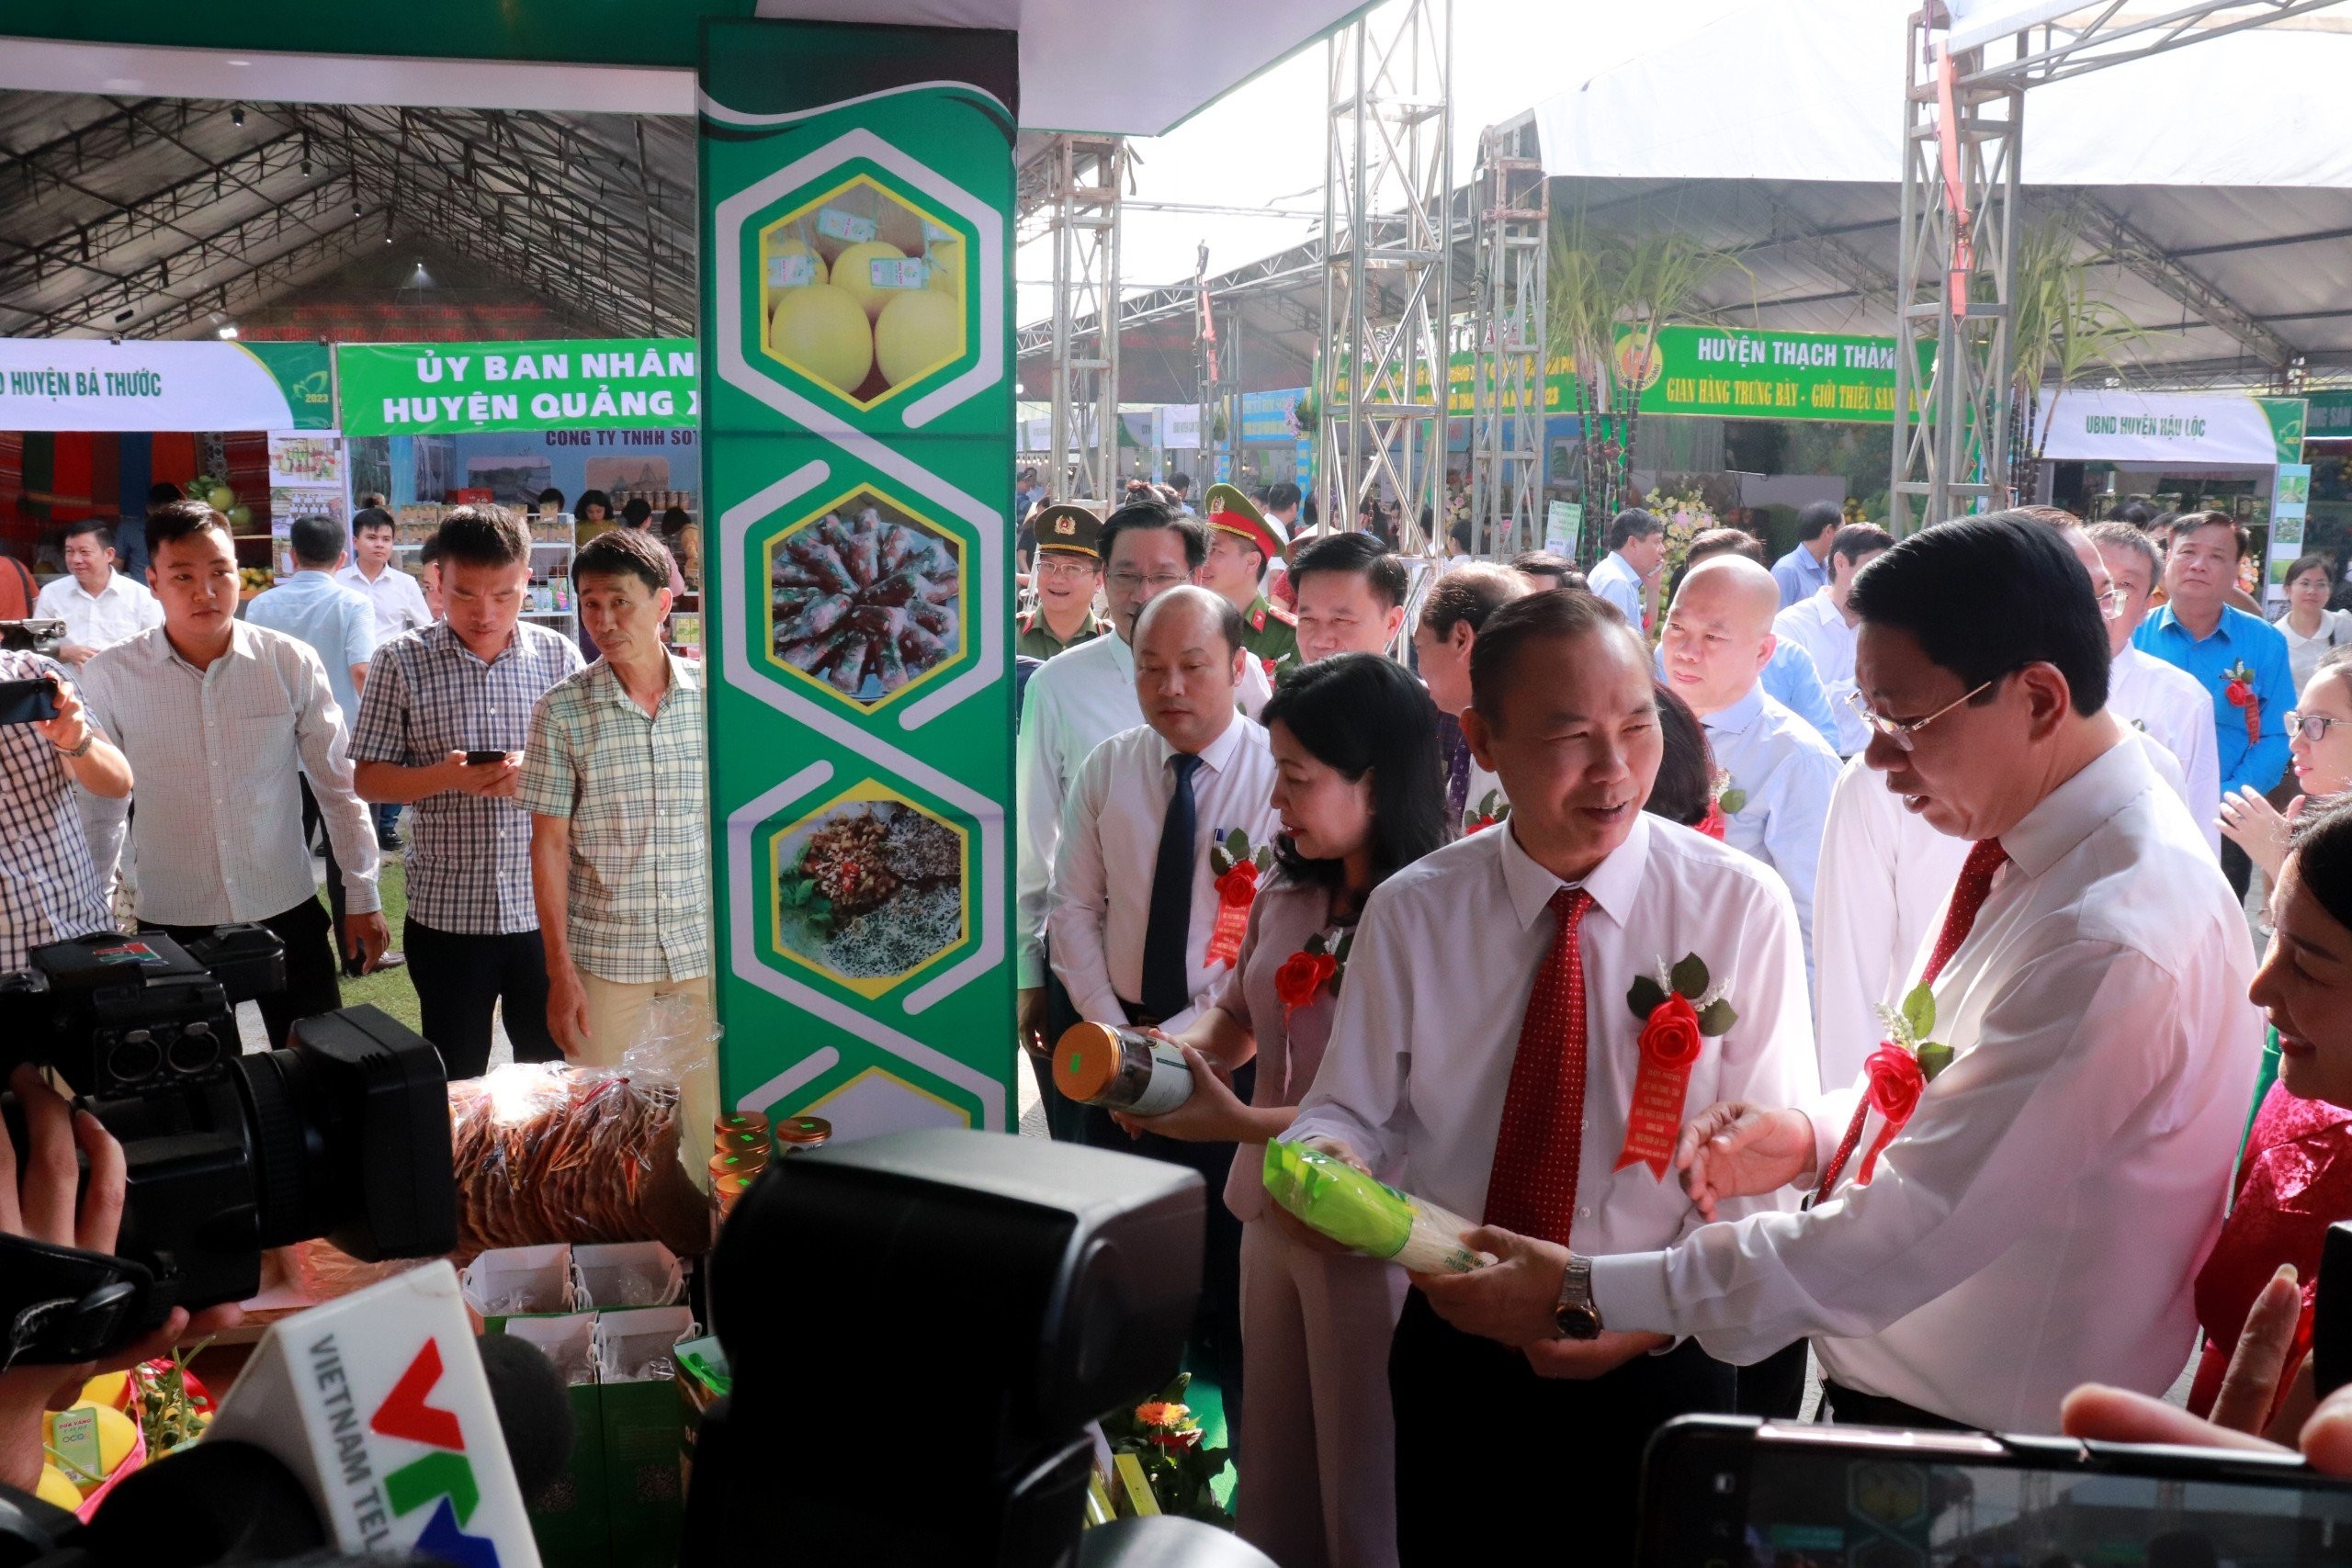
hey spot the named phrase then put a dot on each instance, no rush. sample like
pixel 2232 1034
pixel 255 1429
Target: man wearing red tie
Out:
pixel 1529 1013
pixel 2031 1218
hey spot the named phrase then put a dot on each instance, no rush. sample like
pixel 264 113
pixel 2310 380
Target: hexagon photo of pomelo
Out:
pixel 866 598
pixel 869 888
pixel 862 291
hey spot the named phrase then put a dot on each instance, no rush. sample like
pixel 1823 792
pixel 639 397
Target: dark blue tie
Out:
pixel 1169 932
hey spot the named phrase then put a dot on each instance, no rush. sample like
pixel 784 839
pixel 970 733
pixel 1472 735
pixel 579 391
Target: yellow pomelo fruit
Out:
pixel 919 328
pixel 106 1389
pixel 823 330
pixel 55 1490
pixel 947 267
pixel 118 1434
pixel 853 270
pixel 780 246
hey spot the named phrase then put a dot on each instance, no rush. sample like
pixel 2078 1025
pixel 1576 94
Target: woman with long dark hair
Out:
pixel 1360 791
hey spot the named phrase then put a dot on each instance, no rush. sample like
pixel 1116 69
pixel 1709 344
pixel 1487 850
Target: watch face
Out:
pixel 1578 1322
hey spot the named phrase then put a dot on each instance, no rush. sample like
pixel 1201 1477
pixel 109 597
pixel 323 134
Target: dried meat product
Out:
pixel 815 619
pixel 866 605
pixel 546 1153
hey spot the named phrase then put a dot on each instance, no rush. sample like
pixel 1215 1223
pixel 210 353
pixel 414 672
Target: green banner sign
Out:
pixel 451 388
pixel 856 252
pixel 1749 373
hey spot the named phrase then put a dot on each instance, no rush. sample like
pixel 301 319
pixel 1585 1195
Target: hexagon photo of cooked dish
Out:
pixel 866 599
pixel 869 889
pixel 862 292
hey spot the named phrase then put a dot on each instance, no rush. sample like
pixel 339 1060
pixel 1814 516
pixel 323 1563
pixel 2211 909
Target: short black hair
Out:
pixel 182 520
pixel 1686 769
pixel 485 536
pixel 89 526
pixel 2138 513
pixel 1281 497
pixel 371 517
pixel 1358 713
pixel 1180 482
pixel 430 551
pixel 1938 583
pixel 1558 568
pixel 1811 519
pixel 318 542
pixel 1469 592
pixel 1152 513
pixel 1634 523
pixel 637 512
pixel 2193 522
pixel 551 497
pixel 161 494
pixel 1361 554
pixel 1856 540
pixel 1537 617
pixel 675 520
pixel 2131 537
pixel 1710 542
pixel 623 552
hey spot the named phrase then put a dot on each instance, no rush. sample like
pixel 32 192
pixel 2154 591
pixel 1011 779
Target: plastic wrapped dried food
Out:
pixel 865 605
pixel 546 1152
pixel 1366 1215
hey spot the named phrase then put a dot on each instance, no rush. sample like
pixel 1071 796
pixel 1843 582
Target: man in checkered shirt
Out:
pixel 49 889
pixel 464 684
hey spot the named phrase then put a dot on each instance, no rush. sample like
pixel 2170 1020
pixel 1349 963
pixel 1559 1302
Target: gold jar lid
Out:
pixel 1086 1060
pixel 738 1122
pixel 748 1163
pixel 802 1132
pixel 742 1143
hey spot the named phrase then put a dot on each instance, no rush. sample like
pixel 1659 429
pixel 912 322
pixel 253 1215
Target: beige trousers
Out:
pixel 616 1010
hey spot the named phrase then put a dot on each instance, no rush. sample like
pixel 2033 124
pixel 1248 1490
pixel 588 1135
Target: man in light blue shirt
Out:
pixel 2241 660
pixel 340 627
pixel 1776 771
pixel 1805 571
pixel 1636 549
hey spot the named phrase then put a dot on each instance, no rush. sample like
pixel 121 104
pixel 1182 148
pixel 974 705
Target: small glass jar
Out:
pixel 1121 1070
pixel 796 1135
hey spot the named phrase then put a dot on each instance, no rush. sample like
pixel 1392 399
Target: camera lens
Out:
pixel 134 1056
pixel 197 1049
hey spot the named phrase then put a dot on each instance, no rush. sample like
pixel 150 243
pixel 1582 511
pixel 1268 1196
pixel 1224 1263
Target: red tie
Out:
pixel 1985 857
pixel 1533 1187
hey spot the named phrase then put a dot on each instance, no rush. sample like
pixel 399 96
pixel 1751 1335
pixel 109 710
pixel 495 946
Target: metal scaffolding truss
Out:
pixel 1512 207
pixel 1388 269
pixel 2114 32
pixel 1072 190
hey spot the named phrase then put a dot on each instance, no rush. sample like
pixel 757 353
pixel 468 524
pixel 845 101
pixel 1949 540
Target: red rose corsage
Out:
pixel 1681 1009
pixel 1305 973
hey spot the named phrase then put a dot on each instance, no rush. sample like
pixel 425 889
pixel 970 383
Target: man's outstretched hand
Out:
pixel 1737 1150
pixel 38 1202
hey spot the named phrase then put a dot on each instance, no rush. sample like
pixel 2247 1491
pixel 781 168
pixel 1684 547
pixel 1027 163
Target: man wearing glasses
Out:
pixel 2162 702
pixel 1069 574
pixel 1079 699
pixel 2033 1216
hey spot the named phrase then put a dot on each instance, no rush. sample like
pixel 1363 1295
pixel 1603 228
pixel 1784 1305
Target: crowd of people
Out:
pixel 556 867
pixel 1950 839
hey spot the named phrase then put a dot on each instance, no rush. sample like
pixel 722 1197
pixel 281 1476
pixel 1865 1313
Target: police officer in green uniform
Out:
pixel 1242 539
pixel 1067 574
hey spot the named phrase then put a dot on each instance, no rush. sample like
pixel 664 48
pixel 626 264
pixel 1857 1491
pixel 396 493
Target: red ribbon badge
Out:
pixel 1235 889
pixel 1670 1042
pixel 1893 1083
pixel 2240 692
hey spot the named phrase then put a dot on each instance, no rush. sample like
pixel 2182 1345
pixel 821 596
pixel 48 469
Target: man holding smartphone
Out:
pixel 225 720
pixel 49 887
pixel 443 723
pixel 2031 1218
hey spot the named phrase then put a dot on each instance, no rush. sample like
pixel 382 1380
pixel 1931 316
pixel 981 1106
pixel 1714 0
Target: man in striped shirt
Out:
pixel 465 687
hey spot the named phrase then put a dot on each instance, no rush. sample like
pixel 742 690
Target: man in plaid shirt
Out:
pixel 467 684
pixel 49 889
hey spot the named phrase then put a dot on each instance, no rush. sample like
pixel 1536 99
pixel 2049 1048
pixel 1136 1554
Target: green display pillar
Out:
pixel 858 437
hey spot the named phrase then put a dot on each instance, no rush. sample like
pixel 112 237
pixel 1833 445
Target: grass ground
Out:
pixel 389 989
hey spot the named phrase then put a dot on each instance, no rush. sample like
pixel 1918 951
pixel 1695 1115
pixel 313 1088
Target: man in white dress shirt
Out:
pixel 1776 797
pixel 1451 615
pixel 1824 626
pixel 1137 906
pixel 100 606
pixel 400 606
pixel 2160 699
pixel 1350 593
pixel 1628 574
pixel 1486 1056
pixel 2036 1220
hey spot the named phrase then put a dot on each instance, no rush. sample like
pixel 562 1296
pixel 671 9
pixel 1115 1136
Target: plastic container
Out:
pixel 796 1133
pixel 1367 1215
pixel 1121 1070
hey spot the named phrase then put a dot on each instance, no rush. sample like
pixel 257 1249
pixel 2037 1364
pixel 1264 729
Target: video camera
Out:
pixel 343 1134
pixel 42 637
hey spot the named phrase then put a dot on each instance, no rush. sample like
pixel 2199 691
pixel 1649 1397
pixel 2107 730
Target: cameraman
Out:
pixel 38 1203
pixel 49 889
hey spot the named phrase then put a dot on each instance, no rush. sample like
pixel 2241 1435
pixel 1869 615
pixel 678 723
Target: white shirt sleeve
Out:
pixel 2071 1052
pixel 1767 1055
pixel 1856 918
pixel 1081 897
pixel 2201 767
pixel 323 743
pixel 1359 1091
pixel 1038 801
pixel 1796 812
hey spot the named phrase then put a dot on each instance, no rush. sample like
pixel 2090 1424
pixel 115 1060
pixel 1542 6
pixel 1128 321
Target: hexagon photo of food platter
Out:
pixel 869 889
pixel 862 292
pixel 866 599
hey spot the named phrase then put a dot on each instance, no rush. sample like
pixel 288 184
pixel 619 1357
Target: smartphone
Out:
pixel 22 702
pixel 482 759
pixel 1735 1491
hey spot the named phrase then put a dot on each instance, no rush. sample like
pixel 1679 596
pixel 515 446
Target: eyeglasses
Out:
pixel 2312 727
pixel 1901 731
pixel 1048 567
pixel 2110 603
pixel 1136 582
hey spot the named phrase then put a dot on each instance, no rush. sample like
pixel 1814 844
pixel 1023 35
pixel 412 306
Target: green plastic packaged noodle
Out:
pixel 1366 1215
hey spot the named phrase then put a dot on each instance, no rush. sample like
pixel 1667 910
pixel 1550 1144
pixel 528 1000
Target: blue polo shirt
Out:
pixel 2239 639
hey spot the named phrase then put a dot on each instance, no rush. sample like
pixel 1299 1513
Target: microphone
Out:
pixel 380 1406
pixel 533 1409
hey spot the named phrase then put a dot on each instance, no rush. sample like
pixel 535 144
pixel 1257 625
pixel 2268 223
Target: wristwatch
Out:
pixel 1575 1316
